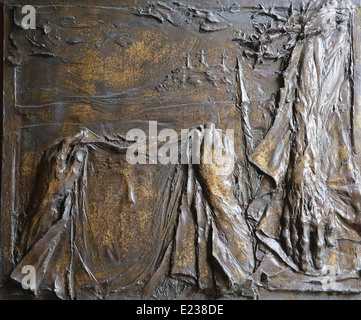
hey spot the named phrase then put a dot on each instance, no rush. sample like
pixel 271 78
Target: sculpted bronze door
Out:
pixel 181 149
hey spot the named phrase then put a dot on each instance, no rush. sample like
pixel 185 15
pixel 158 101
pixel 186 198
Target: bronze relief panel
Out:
pixel 181 149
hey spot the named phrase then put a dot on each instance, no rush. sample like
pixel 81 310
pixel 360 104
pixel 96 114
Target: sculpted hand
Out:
pixel 306 227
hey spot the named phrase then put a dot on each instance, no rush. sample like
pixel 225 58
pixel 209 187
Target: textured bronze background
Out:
pixel 286 77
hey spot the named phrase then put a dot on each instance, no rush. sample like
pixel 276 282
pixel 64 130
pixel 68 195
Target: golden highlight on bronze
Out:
pixel 181 150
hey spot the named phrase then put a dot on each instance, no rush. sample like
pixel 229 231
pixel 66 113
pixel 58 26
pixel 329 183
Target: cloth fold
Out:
pixel 80 248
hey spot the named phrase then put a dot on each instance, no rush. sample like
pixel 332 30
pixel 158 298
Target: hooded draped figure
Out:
pixel 308 151
pixel 100 227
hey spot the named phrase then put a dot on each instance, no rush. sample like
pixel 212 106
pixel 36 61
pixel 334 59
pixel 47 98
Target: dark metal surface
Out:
pixel 283 223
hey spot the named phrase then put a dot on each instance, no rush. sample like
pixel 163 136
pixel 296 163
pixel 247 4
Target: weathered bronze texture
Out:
pixel 284 222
